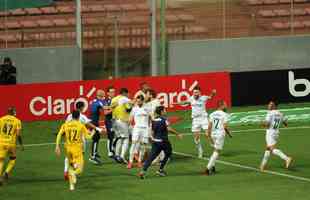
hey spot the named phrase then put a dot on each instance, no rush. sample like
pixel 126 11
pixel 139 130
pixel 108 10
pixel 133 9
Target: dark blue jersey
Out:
pixel 108 103
pixel 95 108
pixel 160 129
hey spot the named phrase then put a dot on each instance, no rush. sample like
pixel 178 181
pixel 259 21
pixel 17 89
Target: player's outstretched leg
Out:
pixel 168 152
pixel 156 149
pixel 66 168
pixel 288 160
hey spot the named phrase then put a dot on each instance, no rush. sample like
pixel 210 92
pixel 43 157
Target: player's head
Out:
pixel 160 110
pixel 144 86
pixel 150 94
pixel 100 94
pixel 75 115
pixel 124 92
pixel 12 111
pixel 7 61
pixel 79 106
pixel 111 91
pixel 272 105
pixel 196 92
pixel 221 105
pixel 140 100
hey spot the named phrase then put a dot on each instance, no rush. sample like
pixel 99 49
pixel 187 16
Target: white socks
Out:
pixel 279 153
pixel 265 158
pixel 199 147
pixel 212 160
pixel 66 164
pixel 118 146
pixel 125 145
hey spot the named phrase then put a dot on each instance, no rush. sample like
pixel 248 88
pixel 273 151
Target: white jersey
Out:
pixel 83 119
pixel 152 105
pixel 218 119
pixel 141 117
pixel 199 106
pixel 274 118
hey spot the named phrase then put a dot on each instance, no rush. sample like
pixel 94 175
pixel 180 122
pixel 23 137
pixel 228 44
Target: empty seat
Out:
pixel 266 13
pixel 128 7
pixel 97 8
pixel 33 11
pixel 299 12
pixel 271 2
pixel 17 12
pixel 285 1
pixel 297 24
pixel 29 24
pixel 281 12
pixel 12 24
pixel 61 22
pixel 66 9
pixel 254 2
pixel 45 23
pixel 306 24
pixel 49 10
pixel 280 25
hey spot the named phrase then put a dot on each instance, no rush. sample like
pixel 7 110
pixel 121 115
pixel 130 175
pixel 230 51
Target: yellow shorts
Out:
pixel 75 155
pixel 5 149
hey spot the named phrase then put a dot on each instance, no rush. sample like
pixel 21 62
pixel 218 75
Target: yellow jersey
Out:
pixel 120 104
pixel 74 132
pixel 9 128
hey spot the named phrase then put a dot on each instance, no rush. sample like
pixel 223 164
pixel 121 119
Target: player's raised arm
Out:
pixel 212 94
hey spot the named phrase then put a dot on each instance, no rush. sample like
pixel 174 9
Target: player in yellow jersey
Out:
pixel 10 128
pixel 74 132
pixel 121 106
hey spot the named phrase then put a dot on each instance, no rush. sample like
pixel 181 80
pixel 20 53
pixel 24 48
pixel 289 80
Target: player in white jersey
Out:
pixel 217 131
pixel 141 119
pixel 143 89
pixel 84 120
pixel 273 120
pixel 199 115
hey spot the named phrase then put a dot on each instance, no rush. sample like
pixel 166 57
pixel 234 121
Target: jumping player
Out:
pixel 199 115
pixel 273 120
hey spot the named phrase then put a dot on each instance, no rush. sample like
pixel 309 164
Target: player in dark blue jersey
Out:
pixel 96 108
pixel 109 121
pixel 160 129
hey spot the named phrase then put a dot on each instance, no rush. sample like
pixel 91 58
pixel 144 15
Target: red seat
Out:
pixel 29 24
pixel 306 24
pixel 280 25
pixel 33 11
pixel 281 12
pixel 266 13
pixel 17 12
pixel 271 2
pixel 299 12
pixel 45 23
pixel 49 10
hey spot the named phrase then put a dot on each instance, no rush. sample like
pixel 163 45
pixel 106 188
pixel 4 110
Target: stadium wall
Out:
pixel 51 101
pixel 41 65
pixel 236 55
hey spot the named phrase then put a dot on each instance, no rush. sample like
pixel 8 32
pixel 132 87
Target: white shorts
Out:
pixel 140 135
pixel 271 137
pixel 200 123
pixel 218 140
pixel 121 128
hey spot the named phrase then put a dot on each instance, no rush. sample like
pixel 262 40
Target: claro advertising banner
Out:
pixel 55 100
pixel 259 87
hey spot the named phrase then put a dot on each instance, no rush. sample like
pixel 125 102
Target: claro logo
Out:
pixel 39 105
pixel 292 82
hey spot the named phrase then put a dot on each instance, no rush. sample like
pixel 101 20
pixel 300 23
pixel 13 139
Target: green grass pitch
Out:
pixel 39 173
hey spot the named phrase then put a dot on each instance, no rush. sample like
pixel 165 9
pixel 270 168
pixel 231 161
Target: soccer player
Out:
pixel 141 118
pixel 109 121
pixel 121 106
pixel 96 108
pixel 199 115
pixel 273 120
pixel 143 89
pixel 10 131
pixel 74 132
pixel 217 130
pixel 84 120
pixel 160 127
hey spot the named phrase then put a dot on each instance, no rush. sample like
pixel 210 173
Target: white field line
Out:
pixel 247 167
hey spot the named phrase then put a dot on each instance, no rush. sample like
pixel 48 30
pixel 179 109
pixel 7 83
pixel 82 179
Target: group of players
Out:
pixel 137 122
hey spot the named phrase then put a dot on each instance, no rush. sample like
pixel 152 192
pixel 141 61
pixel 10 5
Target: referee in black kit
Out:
pixel 160 128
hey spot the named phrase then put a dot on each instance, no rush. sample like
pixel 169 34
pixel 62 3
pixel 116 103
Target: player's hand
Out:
pixel 57 151
pixel 213 91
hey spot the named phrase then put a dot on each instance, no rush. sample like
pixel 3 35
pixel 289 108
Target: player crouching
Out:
pixel 217 131
pixel 74 132
pixel 160 128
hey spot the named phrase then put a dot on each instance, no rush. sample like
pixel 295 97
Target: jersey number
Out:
pixel 7 129
pixel 216 123
pixel 73 136
pixel 276 123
